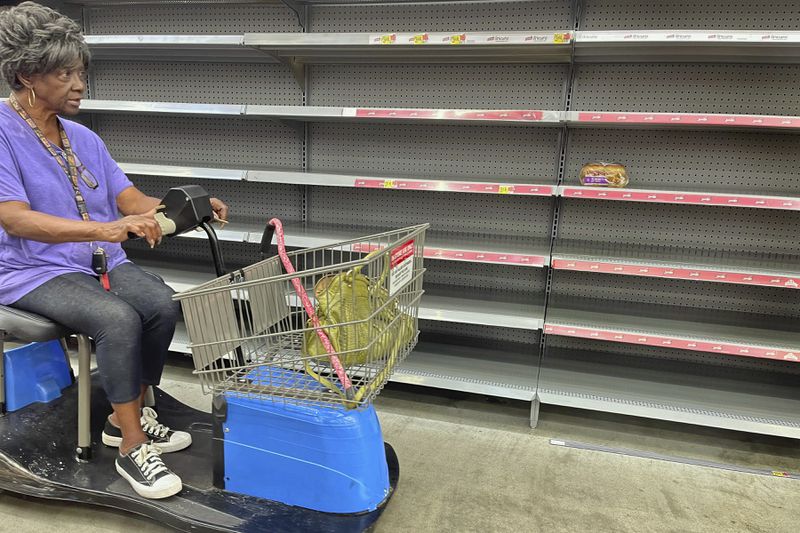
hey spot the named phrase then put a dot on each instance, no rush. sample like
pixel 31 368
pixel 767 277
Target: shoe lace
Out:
pixel 148 459
pixel 151 425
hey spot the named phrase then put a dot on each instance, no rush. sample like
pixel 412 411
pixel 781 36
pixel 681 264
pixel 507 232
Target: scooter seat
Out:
pixel 23 326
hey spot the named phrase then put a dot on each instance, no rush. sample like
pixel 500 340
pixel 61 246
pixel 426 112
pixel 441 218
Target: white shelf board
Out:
pixel 508 251
pixel 182 171
pixel 414 47
pixel 468 369
pixel 160 108
pixel 717 198
pixel 517 117
pixel 661 394
pixel 704 330
pixel 180 340
pixel 769 270
pixel 688 46
pixel 443 305
pixel 701 121
pixel 205 48
pixel 514 186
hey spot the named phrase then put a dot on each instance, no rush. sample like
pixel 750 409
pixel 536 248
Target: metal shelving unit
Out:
pixel 669 390
pixel 403 107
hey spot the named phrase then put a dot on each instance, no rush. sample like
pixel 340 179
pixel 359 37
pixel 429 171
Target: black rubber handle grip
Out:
pixel 266 239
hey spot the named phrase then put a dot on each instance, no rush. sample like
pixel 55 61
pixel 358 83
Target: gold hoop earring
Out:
pixel 31 97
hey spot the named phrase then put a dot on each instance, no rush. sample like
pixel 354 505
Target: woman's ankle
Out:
pixel 128 444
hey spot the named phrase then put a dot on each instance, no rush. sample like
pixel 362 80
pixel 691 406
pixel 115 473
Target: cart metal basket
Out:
pixel 251 335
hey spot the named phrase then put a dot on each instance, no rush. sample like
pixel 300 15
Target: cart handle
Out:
pixel 275 226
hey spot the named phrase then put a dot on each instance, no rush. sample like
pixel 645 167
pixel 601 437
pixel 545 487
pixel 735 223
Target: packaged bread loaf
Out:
pixel 601 174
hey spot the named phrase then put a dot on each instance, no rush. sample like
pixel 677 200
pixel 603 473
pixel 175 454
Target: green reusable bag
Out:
pixel 375 330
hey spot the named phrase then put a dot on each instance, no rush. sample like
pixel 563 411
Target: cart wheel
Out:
pixel 393 463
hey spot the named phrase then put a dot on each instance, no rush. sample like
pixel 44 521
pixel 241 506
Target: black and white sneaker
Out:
pixel 163 437
pixel 147 473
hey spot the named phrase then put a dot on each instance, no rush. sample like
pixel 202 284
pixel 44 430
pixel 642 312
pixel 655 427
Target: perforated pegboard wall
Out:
pixel 491 337
pixel 180 17
pixel 688 88
pixel 248 202
pixel 708 364
pixel 439 86
pixel 445 16
pixel 698 227
pixel 212 142
pixel 681 293
pixel 478 151
pixel 468 215
pixel 690 14
pixel 692 160
pixel 207 83
pixel 525 282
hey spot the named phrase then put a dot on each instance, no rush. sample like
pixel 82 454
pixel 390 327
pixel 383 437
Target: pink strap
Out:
pixel 301 292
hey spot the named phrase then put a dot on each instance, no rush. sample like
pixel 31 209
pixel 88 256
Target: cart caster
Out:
pixel 83 455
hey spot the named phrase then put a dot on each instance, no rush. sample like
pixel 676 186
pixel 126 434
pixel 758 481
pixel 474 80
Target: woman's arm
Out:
pixel 132 201
pixel 19 220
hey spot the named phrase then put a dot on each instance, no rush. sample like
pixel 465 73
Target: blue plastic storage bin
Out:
pixel 36 372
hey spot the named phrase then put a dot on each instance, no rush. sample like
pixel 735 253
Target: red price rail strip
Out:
pixel 681 197
pixel 773 270
pixel 445 116
pixel 455 185
pixel 682 120
pixel 517 252
pixel 721 332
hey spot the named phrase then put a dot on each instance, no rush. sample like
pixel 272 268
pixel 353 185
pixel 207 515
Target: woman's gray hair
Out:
pixel 35 39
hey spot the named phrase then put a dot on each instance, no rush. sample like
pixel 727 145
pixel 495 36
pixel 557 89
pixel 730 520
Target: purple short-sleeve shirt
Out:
pixel 30 174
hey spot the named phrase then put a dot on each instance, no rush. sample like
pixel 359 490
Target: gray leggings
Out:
pixel 132 325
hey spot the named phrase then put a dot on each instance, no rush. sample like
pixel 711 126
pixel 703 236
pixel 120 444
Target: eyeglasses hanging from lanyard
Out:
pixel 69 164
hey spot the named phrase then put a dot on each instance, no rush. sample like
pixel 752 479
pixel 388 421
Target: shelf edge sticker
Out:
pixel 666 197
pixel 719 276
pixel 696 37
pixel 469 38
pixel 453 186
pixel 690 119
pixel 511 115
pixel 674 342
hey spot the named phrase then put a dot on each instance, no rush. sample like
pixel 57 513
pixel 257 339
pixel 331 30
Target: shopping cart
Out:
pixel 323 326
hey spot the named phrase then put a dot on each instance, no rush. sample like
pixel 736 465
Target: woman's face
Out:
pixel 60 91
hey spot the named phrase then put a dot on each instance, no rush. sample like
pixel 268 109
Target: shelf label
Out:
pixel 655 271
pixel 512 115
pixel 667 197
pixel 401 266
pixel 466 255
pixel 454 186
pixel 674 342
pixel 691 119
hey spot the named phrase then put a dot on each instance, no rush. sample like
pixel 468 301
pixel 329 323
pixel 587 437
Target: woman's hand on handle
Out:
pixel 144 226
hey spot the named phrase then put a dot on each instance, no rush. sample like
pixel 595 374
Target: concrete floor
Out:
pixel 470 463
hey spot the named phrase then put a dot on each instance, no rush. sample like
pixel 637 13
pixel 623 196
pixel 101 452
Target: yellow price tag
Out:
pixel 780 474
pixel 389 39
pixel 458 39
pixel 389 184
pixel 506 189
pixel 561 38
pixel 420 39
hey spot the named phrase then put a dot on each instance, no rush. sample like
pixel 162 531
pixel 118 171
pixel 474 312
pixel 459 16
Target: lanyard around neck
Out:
pixel 67 163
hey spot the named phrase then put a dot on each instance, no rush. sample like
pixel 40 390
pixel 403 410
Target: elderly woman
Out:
pixel 61 197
